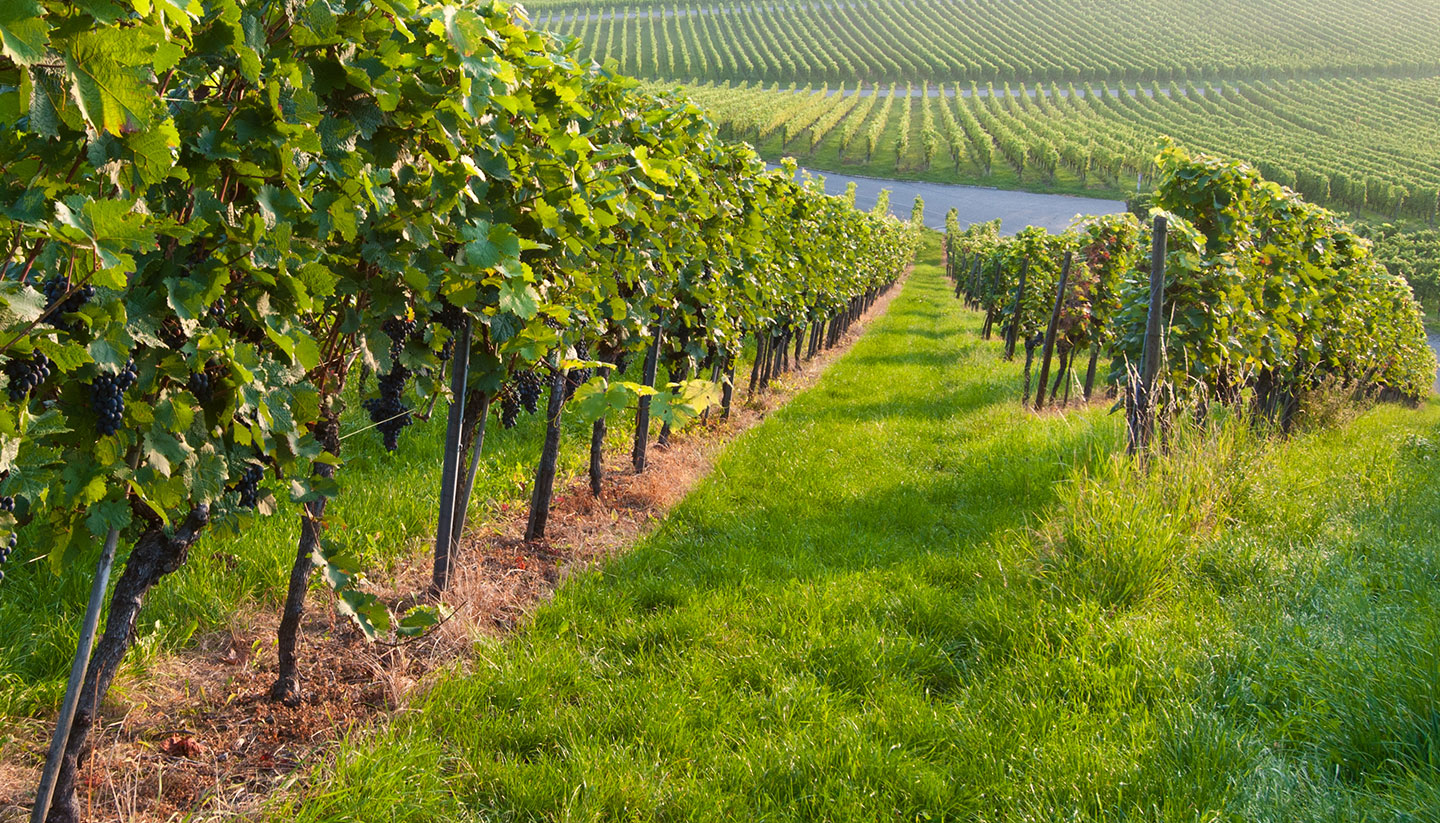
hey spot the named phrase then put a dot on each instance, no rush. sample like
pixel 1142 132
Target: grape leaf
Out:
pixel 23 31
pixel 113 93
pixel 518 297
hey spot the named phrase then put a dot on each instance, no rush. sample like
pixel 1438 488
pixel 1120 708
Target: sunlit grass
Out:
pixel 904 598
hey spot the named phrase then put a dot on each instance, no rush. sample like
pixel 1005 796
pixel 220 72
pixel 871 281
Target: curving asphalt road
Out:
pixel 974 204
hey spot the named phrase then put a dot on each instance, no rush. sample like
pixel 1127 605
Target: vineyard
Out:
pixel 1033 41
pixel 181 318
pixel 379 338
pixel 1072 137
pixel 1259 298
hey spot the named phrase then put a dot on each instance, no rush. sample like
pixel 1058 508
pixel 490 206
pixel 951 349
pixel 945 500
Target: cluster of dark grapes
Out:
pixel 578 377
pixel 55 288
pixel 107 398
pixel 509 409
pixel 249 485
pixel 622 363
pixel 529 387
pixel 26 375
pixel 523 391
pixel 172 333
pixel 387 411
pixel 201 384
pixel 398 329
pixel 451 317
pixel 388 414
pixel 7 504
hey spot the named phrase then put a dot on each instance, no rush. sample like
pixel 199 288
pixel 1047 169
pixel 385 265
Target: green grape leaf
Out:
pixel 518 297
pixel 683 402
pixel 420 619
pixel 112 92
pixel 107 515
pixel 23 31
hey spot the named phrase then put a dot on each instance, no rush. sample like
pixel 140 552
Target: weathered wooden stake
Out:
pixel 477 412
pixel 727 394
pixel 1050 334
pixel 1142 427
pixel 450 465
pixel 642 408
pixel 78 669
pixel 597 456
pixel 755 366
pixel 1090 371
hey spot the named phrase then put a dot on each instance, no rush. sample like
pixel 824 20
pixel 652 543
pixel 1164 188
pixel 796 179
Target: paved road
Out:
pixel 1017 209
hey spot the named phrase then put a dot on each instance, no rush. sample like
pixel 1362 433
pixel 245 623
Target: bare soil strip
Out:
pixel 195 735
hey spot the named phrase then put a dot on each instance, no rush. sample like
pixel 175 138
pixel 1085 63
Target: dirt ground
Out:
pixel 195 736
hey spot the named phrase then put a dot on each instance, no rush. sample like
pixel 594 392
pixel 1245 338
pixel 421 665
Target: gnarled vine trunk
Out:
pixel 154 556
pixel 312 523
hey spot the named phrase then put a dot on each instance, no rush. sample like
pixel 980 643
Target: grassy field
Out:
pixel 905 598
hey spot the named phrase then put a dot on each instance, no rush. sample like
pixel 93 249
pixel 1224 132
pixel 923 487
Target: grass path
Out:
pixel 904 598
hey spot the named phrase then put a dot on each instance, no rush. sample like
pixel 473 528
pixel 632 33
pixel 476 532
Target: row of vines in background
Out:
pixel 1264 297
pixel 1087 135
pixel 1411 254
pixel 902 41
pixel 215 220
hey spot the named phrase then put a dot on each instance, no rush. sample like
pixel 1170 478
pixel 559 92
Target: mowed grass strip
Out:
pixel 903 597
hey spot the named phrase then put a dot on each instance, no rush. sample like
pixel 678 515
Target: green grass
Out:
pixel 902 597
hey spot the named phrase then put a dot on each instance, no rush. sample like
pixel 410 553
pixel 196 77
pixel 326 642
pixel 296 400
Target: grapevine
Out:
pixel 1267 296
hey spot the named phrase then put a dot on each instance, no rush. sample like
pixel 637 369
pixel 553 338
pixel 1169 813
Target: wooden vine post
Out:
pixel 477 411
pixel 1142 416
pixel 78 669
pixel 1013 330
pixel 990 310
pixel 728 393
pixel 450 469
pixel 975 284
pixel 1050 333
pixel 642 409
pixel 597 447
pixel 549 454
pixel 1090 370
